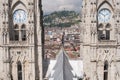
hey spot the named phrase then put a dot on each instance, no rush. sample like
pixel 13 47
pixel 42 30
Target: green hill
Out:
pixel 61 19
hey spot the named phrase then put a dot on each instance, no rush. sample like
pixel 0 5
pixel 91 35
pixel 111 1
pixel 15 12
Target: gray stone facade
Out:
pixel 100 39
pixel 20 40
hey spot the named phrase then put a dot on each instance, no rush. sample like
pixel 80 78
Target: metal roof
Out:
pixel 62 68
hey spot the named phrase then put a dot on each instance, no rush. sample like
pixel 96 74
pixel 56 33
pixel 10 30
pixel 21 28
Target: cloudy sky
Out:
pixel 57 5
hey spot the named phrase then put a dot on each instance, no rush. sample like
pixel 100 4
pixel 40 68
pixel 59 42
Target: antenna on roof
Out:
pixel 63 39
pixel 64 9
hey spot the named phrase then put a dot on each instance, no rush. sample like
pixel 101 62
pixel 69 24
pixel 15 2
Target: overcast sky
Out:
pixel 57 5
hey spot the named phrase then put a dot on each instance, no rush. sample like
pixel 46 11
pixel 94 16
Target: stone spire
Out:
pixel 62 69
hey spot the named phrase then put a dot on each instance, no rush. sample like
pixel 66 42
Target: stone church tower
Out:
pixel 20 40
pixel 100 39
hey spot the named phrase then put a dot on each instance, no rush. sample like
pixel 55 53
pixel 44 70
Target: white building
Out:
pixel 20 44
pixel 100 39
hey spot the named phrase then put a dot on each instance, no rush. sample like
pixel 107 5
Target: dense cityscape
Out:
pixel 60 40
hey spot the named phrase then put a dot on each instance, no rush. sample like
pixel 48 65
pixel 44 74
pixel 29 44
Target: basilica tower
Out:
pixel 20 40
pixel 100 43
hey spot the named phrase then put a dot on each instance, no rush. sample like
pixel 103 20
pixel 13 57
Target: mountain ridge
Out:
pixel 61 19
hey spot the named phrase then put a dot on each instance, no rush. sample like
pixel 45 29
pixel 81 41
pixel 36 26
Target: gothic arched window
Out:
pixel 23 32
pixel 19 33
pixel 106 70
pixel 19 70
pixel 100 26
pixel 16 32
pixel 104 32
pixel 100 32
pixel 108 26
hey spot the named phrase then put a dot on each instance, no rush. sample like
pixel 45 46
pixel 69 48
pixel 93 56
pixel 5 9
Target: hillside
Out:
pixel 61 19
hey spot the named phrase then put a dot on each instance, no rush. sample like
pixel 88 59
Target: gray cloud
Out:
pixel 57 5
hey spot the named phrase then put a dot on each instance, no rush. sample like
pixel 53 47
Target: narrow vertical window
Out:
pixel 106 70
pixel 23 32
pixel 101 35
pixel 108 26
pixel 19 69
pixel 107 35
pixel 16 33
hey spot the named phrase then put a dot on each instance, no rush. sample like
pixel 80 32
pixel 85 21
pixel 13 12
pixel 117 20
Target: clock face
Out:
pixel 20 16
pixel 104 15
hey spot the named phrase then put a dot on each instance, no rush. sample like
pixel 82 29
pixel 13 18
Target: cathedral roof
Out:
pixel 62 68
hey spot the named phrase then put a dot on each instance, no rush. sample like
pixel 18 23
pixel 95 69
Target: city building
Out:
pixel 53 37
pixel 21 45
pixel 100 39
